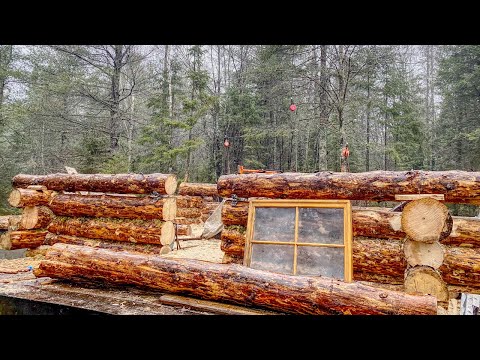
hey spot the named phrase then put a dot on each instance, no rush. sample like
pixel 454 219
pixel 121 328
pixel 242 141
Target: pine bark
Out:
pixel 29 197
pixel 198 189
pixel 136 231
pixel 22 239
pixel 457 186
pixel 36 217
pixel 163 184
pixel 230 283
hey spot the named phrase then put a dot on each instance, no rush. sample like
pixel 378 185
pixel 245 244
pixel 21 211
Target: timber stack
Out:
pixel 385 248
pixel 131 211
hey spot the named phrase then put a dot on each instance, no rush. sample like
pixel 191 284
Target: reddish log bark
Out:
pixel 36 217
pixel 230 283
pixel 187 221
pixel 29 197
pixel 198 189
pixel 52 239
pixel 233 240
pixel 184 230
pixel 136 231
pixel 384 260
pixel 116 183
pixel 185 201
pixel 457 186
pixel 379 223
pixel 146 208
pixel 12 240
pixel 189 212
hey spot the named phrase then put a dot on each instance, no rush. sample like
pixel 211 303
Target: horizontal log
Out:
pixel 376 223
pixel 117 183
pixel 183 230
pixel 456 186
pixel 36 217
pixel 146 208
pixel 22 239
pixel 232 259
pixel 235 215
pixel 136 231
pixel 187 221
pixel 14 222
pixel 185 201
pixel 233 240
pixel 29 197
pixel 198 189
pixel 384 260
pixel 230 283
pixel 188 212
pixel 52 239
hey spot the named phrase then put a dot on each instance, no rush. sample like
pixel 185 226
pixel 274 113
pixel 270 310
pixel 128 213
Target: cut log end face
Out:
pixel 29 217
pixel 171 184
pixel 419 253
pixel 5 242
pixel 423 280
pixel 14 198
pixel 424 219
pixel 168 233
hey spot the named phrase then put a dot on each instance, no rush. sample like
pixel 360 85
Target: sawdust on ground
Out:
pixel 25 264
pixel 206 250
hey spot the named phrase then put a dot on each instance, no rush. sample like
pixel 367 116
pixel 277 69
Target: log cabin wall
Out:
pixel 380 241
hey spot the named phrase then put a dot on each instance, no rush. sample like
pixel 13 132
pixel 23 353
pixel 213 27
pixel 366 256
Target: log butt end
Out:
pixel 171 184
pixel 14 198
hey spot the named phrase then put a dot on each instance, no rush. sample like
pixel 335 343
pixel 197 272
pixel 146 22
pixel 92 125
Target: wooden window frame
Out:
pixel 284 203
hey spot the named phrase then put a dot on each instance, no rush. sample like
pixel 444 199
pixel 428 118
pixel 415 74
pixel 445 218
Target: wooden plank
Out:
pixel 403 197
pixel 108 300
pixel 211 306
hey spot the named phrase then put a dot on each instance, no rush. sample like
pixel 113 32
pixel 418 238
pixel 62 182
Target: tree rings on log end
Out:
pixel 420 253
pixel 424 280
pixel 424 219
pixel 168 233
pixel 171 184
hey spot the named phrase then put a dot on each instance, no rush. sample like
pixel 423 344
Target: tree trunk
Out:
pixel 145 208
pixel 235 215
pixel 114 183
pixel 424 220
pixel 229 283
pixel 232 259
pixel 420 253
pixel 12 240
pixel 233 240
pixel 184 230
pixel 29 197
pixel 423 280
pixel 52 239
pixel 136 231
pixel 186 201
pixel 198 189
pixel 457 186
pixel 36 217
pixel 189 212
pixel 187 221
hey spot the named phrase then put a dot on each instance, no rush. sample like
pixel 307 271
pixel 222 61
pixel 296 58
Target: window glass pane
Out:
pixel 274 224
pixel 276 258
pixel 320 225
pixel 324 261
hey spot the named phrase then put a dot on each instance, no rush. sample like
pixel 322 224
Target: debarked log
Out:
pixel 230 283
pixel 163 184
